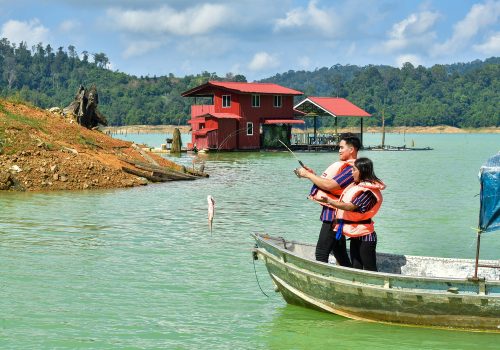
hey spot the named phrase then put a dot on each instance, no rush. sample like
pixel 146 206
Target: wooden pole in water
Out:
pixel 383 126
pixel 176 141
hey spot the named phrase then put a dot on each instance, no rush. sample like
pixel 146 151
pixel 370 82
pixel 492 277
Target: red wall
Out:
pixel 241 104
pixel 228 137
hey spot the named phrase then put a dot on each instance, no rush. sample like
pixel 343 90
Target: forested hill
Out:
pixel 462 94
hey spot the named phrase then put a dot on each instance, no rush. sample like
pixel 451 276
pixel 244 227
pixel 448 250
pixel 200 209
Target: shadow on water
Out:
pixel 298 328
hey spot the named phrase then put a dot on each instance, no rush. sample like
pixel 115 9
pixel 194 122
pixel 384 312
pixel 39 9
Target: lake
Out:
pixel 138 268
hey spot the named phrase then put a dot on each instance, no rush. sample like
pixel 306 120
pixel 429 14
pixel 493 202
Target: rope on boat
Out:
pixel 257 277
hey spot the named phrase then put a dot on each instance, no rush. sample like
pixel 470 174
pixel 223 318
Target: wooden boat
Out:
pixel 412 290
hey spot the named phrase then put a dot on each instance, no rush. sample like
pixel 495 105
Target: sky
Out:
pixel 258 38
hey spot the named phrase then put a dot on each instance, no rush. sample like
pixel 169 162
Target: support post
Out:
pixel 315 117
pixel 361 129
pixel 477 255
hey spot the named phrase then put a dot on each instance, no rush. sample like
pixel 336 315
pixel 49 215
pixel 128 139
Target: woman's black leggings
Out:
pixel 327 243
pixel 363 255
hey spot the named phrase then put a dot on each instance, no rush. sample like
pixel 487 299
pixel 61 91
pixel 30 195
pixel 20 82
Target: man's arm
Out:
pixel 340 181
pixel 321 182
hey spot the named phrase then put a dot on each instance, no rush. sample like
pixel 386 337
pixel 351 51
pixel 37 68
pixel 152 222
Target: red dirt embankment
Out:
pixel 40 151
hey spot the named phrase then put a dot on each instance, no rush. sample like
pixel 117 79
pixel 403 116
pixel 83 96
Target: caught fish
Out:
pixel 211 211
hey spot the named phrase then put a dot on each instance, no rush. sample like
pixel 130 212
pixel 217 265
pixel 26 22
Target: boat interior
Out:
pixel 421 266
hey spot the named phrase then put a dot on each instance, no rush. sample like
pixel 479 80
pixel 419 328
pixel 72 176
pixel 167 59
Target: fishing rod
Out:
pixel 289 150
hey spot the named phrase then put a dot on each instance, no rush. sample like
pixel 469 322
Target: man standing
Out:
pixel 331 183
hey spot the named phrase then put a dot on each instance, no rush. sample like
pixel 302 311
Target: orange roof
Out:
pixel 335 106
pixel 249 88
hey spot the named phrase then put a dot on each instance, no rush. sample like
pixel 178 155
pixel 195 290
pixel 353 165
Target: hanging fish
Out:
pixel 211 211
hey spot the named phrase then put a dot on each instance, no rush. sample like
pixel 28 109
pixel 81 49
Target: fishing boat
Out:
pixel 410 290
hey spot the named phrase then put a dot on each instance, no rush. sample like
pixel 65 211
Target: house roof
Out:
pixel 222 115
pixel 334 106
pixel 284 121
pixel 202 118
pixel 203 132
pixel 196 120
pixel 207 89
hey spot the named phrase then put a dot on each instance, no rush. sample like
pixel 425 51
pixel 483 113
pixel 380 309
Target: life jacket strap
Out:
pixel 341 223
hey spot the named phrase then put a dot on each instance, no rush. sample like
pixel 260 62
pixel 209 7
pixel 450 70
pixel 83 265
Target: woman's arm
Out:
pixel 339 204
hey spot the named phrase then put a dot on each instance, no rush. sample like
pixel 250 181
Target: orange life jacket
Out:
pixel 332 171
pixel 356 224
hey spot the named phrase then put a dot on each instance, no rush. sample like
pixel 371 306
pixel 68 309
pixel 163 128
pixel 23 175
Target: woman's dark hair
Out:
pixel 351 139
pixel 365 167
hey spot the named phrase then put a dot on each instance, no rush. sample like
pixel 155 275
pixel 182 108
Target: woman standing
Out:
pixel 356 207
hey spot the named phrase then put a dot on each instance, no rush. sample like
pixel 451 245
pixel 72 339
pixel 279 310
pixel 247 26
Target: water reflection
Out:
pixel 298 328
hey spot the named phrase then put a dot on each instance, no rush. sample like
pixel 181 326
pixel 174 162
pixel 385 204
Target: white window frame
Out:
pixel 278 98
pixel 251 125
pixel 226 101
pixel 256 98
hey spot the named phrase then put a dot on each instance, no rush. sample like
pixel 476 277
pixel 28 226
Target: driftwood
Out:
pixel 147 175
pixel 154 172
pixel 84 107
pixel 159 173
pixel 144 154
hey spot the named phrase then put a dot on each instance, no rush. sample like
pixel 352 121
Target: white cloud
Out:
pixel 263 61
pixel 490 46
pixel 413 59
pixel 165 20
pixel 351 49
pixel 312 17
pixel 413 31
pixel 68 25
pixel 479 17
pixel 32 32
pixel 139 48
pixel 304 62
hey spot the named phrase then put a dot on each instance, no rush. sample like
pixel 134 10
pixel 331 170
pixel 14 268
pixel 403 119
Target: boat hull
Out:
pixel 382 297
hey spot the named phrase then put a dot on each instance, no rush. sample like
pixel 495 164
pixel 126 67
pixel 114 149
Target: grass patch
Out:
pixel 87 141
pixel 33 123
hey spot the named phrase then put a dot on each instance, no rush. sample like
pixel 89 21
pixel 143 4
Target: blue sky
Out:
pixel 258 38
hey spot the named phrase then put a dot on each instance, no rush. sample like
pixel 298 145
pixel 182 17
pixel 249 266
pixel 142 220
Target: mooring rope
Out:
pixel 257 278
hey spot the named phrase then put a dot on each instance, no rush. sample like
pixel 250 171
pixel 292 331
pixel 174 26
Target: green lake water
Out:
pixel 138 269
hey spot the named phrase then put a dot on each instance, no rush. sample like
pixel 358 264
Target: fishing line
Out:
pixel 234 133
pixel 257 278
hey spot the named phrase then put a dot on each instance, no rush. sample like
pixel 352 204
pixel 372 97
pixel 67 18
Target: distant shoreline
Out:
pixel 184 129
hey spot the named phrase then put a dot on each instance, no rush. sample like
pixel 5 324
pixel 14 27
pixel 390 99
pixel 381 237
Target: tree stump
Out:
pixel 84 108
pixel 176 142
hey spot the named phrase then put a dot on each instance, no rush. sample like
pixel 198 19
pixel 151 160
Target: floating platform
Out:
pixel 396 148
pixel 314 148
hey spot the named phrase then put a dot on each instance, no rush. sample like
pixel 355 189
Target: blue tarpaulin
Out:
pixel 489 212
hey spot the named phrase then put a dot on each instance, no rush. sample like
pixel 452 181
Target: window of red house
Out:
pixel 255 100
pixel 277 101
pixel 226 101
pixel 249 129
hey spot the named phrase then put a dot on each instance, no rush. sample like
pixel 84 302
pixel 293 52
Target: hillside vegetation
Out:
pixel 40 150
pixel 459 95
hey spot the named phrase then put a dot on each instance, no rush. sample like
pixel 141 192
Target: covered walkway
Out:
pixel 329 107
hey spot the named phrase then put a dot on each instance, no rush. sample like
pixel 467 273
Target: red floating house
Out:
pixel 241 116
